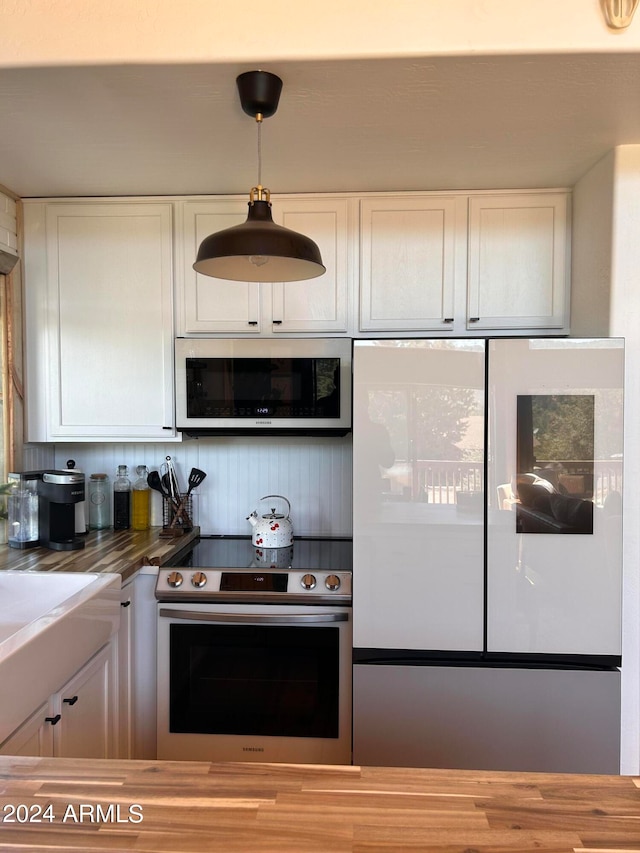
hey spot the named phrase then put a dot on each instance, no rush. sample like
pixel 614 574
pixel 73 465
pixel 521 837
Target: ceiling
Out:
pixel 467 122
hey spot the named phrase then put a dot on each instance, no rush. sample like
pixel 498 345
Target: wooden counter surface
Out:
pixel 122 552
pixel 254 808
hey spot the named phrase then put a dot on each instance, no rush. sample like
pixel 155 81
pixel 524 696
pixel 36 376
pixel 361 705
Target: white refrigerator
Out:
pixel 488 553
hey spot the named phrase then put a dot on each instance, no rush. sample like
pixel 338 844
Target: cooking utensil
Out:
pixel 272 530
pixel 196 476
pixel 159 484
pixel 173 479
pixel 155 482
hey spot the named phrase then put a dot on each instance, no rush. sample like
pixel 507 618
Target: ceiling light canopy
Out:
pixel 258 249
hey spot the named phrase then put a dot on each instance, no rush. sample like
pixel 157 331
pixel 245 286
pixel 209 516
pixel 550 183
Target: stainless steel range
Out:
pixel 254 654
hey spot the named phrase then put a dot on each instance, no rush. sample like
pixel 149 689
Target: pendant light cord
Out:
pixel 259 120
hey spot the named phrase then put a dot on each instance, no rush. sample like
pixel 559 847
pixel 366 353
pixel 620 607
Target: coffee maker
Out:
pixel 58 494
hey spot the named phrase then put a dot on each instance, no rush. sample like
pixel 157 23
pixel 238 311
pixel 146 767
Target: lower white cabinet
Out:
pixel 88 708
pixel 79 720
pixel 33 737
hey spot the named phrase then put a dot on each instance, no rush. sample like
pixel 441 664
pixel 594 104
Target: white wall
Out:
pixel 591 250
pixel 313 474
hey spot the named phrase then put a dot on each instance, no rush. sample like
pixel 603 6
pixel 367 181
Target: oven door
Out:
pixel 254 683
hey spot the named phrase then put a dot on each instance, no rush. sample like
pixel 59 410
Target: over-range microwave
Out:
pixel 293 386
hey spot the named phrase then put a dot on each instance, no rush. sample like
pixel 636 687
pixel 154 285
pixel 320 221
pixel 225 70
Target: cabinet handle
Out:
pixel 277 322
pixel 448 320
pixel 474 319
pixel 252 322
pixel 71 701
pixel 125 603
pixel 53 720
pixel 167 427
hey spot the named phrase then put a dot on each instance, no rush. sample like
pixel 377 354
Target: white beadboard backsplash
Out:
pixel 314 474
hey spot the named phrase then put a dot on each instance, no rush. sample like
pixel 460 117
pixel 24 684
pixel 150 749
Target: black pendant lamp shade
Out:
pixel 258 249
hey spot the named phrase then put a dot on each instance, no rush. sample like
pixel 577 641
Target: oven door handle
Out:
pixel 260 618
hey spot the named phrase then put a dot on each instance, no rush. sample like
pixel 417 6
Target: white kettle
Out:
pixel 273 529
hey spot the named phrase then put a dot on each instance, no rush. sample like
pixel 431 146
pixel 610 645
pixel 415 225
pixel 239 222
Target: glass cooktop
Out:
pixel 238 552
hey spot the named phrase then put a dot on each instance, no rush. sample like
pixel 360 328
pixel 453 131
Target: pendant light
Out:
pixel 259 250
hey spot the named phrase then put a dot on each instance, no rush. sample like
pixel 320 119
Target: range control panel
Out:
pixel 253 584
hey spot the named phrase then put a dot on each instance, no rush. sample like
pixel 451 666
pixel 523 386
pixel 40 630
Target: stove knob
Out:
pixel 199 579
pixel 308 581
pixel 332 582
pixel 174 579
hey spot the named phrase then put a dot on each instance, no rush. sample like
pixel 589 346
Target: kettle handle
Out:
pixel 283 498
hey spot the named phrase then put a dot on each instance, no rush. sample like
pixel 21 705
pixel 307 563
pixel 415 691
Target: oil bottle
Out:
pixel 122 499
pixel 140 500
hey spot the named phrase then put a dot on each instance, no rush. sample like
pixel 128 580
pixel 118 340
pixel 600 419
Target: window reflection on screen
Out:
pixel 426 424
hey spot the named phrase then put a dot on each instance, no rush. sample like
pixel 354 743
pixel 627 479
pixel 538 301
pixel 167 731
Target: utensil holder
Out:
pixel 177 516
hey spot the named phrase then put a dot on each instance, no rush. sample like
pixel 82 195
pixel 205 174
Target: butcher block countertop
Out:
pixel 254 808
pixel 122 552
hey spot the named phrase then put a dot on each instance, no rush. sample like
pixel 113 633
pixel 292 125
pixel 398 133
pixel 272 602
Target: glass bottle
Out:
pixel 23 514
pixel 122 499
pixel 99 502
pixel 140 500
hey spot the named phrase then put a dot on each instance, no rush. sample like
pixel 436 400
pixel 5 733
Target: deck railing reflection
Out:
pixel 444 481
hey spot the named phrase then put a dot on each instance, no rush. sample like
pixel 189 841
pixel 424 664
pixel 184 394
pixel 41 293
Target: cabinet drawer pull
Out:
pixel 125 603
pixel 71 701
pixel 277 322
pixel 53 720
pixel 252 322
pixel 448 320
pixel 474 319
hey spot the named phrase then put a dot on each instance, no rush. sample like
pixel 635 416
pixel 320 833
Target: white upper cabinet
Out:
pixel 518 261
pixel 319 304
pixel 99 320
pixel 206 304
pixel 408 262
pixel 458 264
pixel 214 306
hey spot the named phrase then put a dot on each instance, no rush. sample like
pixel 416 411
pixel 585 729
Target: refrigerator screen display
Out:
pixel 555 463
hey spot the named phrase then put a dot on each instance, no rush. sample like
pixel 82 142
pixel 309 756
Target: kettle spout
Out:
pixel 253 518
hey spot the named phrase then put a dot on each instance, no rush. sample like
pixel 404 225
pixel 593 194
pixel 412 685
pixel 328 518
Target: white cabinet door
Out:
pixel 207 304
pixel 320 304
pixel 87 705
pixel 33 737
pixel 216 306
pixel 99 321
pixel 408 262
pixel 418 494
pixel 518 261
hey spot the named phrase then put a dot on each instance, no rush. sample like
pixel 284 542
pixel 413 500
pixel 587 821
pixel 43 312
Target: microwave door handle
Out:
pixel 259 618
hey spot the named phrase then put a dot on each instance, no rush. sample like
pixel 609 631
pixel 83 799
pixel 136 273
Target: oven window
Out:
pixel 278 681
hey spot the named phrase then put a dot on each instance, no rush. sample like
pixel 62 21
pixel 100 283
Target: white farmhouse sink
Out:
pixel 51 623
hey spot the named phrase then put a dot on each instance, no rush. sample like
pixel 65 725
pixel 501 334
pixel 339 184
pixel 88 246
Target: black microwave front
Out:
pixel 227 386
